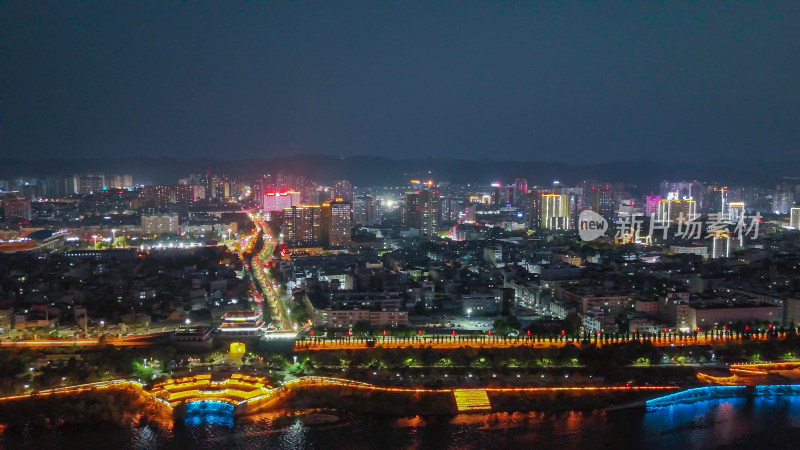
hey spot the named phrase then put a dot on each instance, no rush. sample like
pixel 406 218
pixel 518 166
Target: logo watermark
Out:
pixel 592 225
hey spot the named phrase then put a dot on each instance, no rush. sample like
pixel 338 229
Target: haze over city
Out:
pixel 535 81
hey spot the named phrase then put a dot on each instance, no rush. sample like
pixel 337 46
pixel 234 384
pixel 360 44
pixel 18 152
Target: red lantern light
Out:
pixel 312 332
pixel 384 332
pixel 563 332
pixel 529 332
pixel 747 328
pixel 490 332
pixel 454 332
pixel 419 332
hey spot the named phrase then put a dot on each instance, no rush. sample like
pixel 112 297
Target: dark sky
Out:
pixel 527 81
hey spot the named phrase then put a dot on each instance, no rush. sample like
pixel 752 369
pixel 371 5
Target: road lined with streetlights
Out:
pixel 261 269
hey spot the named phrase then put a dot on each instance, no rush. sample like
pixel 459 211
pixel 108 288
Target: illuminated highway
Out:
pixel 267 286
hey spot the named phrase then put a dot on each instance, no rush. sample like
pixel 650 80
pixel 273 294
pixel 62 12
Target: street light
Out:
pixel 94 236
pixel 113 235
pixel 469 311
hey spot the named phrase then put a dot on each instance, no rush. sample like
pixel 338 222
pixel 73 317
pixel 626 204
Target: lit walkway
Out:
pixel 472 400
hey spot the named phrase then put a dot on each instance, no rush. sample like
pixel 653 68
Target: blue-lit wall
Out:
pixel 198 413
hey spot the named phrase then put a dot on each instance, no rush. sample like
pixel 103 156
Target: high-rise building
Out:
pixel 794 218
pixel 119 181
pixel 680 190
pixel 520 194
pixel 533 212
pixel 91 184
pixel 412 214
pixel 302 224
pixel 336 223
pixel 735 212
pixel 783 200
pixel 670 211
pixel 555 211
pixel 423 211
pixel 600 200
pixel 365 210
pixel 344 190
pixel 451 208
pixel 278 201
pixel 651 205
pixel 718 200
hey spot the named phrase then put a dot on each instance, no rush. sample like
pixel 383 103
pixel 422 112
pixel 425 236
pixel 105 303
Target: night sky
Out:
pixel 524 81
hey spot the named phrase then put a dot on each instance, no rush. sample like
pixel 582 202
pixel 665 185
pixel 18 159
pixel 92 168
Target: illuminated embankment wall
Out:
pixel 722 392
pixel 248 394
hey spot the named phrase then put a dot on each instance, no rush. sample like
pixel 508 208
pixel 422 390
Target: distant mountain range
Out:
pixel 378 171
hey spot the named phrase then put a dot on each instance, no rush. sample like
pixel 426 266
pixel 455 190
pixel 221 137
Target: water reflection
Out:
pixel 766 422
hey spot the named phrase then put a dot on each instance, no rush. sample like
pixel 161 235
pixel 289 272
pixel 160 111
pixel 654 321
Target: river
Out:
pixel 762 422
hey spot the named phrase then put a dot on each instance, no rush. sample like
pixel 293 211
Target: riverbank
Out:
pixel 121 406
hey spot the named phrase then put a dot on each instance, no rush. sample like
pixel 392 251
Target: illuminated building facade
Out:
pixel 242 323
pixel 278 201
pixel 556 212
pixel 423 211
pixel 343 189
pixel 670 211
pixel 651 205
pixel 336 223
pixel 735 211
pixel 794 218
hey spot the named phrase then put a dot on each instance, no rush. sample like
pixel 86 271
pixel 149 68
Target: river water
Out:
pixel 751 423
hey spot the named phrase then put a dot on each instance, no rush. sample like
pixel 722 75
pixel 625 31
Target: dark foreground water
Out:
pixel 755 423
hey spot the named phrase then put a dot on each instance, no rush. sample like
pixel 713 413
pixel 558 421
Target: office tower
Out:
pixel 342 189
